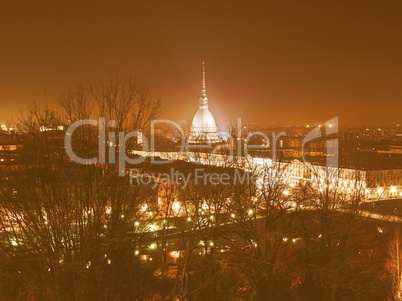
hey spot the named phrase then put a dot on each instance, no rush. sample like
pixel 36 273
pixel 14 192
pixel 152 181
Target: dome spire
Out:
pixel 203 128
pixel 203 90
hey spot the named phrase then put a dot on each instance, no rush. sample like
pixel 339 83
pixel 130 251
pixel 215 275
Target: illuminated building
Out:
pixel 203 127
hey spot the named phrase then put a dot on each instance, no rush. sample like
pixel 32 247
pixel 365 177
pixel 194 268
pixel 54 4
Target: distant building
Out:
pixel 203 128
pixel 10 150
pixel 383 183
pixel 378 182
pixel 395 149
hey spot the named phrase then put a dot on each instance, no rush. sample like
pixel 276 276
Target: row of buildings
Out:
pixel 375 180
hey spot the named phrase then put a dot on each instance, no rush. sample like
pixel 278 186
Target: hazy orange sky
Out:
pixel 267 61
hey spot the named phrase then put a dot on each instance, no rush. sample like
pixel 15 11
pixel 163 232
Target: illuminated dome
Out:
pixel 203 128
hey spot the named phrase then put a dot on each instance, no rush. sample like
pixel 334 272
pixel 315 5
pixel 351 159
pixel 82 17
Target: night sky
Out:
pixel 285 62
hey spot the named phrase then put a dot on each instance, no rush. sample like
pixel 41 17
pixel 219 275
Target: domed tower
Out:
pixel 203 128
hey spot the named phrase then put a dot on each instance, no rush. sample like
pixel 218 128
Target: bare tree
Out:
pixel 128 102
pixel 71 231
pixel 394 263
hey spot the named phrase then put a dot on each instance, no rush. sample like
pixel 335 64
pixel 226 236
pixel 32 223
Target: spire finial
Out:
pixel 203 90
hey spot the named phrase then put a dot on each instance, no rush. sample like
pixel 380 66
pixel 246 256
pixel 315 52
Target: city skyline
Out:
pixel 201 150
pixel 288 63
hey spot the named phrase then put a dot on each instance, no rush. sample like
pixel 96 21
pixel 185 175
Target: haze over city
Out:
pixel 284 62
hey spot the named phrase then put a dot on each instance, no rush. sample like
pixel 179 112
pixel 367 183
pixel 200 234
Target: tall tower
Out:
pixel 203 127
